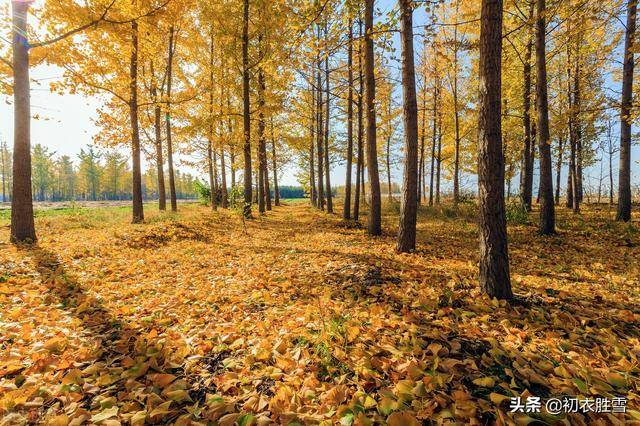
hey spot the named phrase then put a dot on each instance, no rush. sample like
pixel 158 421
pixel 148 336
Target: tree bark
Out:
pixel 547 207
pixel 421 175
pixel 434 138
pixel 262 158
pixel 346 212
pixel 374 223
pixel 360 163
pixel 172 179
pixel 577 161
pixel 320 131
pixel 312 141
pixel 526 190
pixel 456 114
pixel 624 178
pixel 439 157
pixel 494 256
pixel 276 189
pixel 559 168
pixel 409 203
pixel 210 148
pixel 246 112
pixel 327 164
pixel 22 224
pixel 162 195
pixel 138 210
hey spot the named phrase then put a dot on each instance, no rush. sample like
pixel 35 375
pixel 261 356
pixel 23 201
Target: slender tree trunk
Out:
pixel 360 164
pixel 409 202
pixel 320 131
pixel 232 159
pixel 439 157
pixel 276 189
pixel 610 166
pixel 223 171
pixel 172 179
pixel 224 196
pixel 388 164
pixel 434 141
pixel 262 158
pixel 138 211
pixel 327 164
pixel 456 114
pixel 4 172
pixel 212 182
pixel 346 213
pixel 526 190
pixel 374 225
pixel 422 167
pixel 22 224
pixel 210 148
pixel 162 196
pixel 312 136
pixel 577 161
pixel 547 208
pixel 624 179
pixel 246 103
pixel 494 254
pixel 559 167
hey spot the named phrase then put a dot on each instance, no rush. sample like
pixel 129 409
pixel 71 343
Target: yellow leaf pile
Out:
pixel 303 320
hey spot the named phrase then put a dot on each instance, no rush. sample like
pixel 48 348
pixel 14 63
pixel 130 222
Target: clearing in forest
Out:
pixel 303 319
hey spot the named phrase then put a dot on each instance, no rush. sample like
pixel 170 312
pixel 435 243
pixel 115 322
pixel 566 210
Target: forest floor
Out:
pixel 297 317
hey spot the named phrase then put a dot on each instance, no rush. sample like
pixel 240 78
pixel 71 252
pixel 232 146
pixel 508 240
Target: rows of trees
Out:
pixel 491 90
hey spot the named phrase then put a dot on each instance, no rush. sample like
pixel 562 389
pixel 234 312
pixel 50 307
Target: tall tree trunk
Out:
pixel 624 179
pixel 610 164
pixel 346 212
pixel 360 164
pixel 312 142
pixel 232 159
pixel 4 172
pixel 162 195
pixel 224 196
pixel 223 171
pixel 22 224
pixel 547 208
pixel 559 167
pixel 210 148
pixel 409 203
pixel 138 211
pixel 439 157
pixel 276 189
pixel 172 179
pixel 577 160
pixel 494 254
pixel 212 182
pixel 423 136
pixel 246 112
pixel 456 114
pixel 360 141
pixel 374 225
pixel 526 189
pixel 434 140
pixel 262 158
pixel 320 131
pixel 327 164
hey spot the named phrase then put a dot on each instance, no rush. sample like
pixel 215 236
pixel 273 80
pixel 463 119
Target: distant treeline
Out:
pixel 94 175
pixel 292 192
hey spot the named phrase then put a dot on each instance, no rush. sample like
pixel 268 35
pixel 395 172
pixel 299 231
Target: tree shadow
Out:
pixel 121 354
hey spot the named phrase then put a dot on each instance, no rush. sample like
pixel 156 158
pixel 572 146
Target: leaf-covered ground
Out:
pixel 303 319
